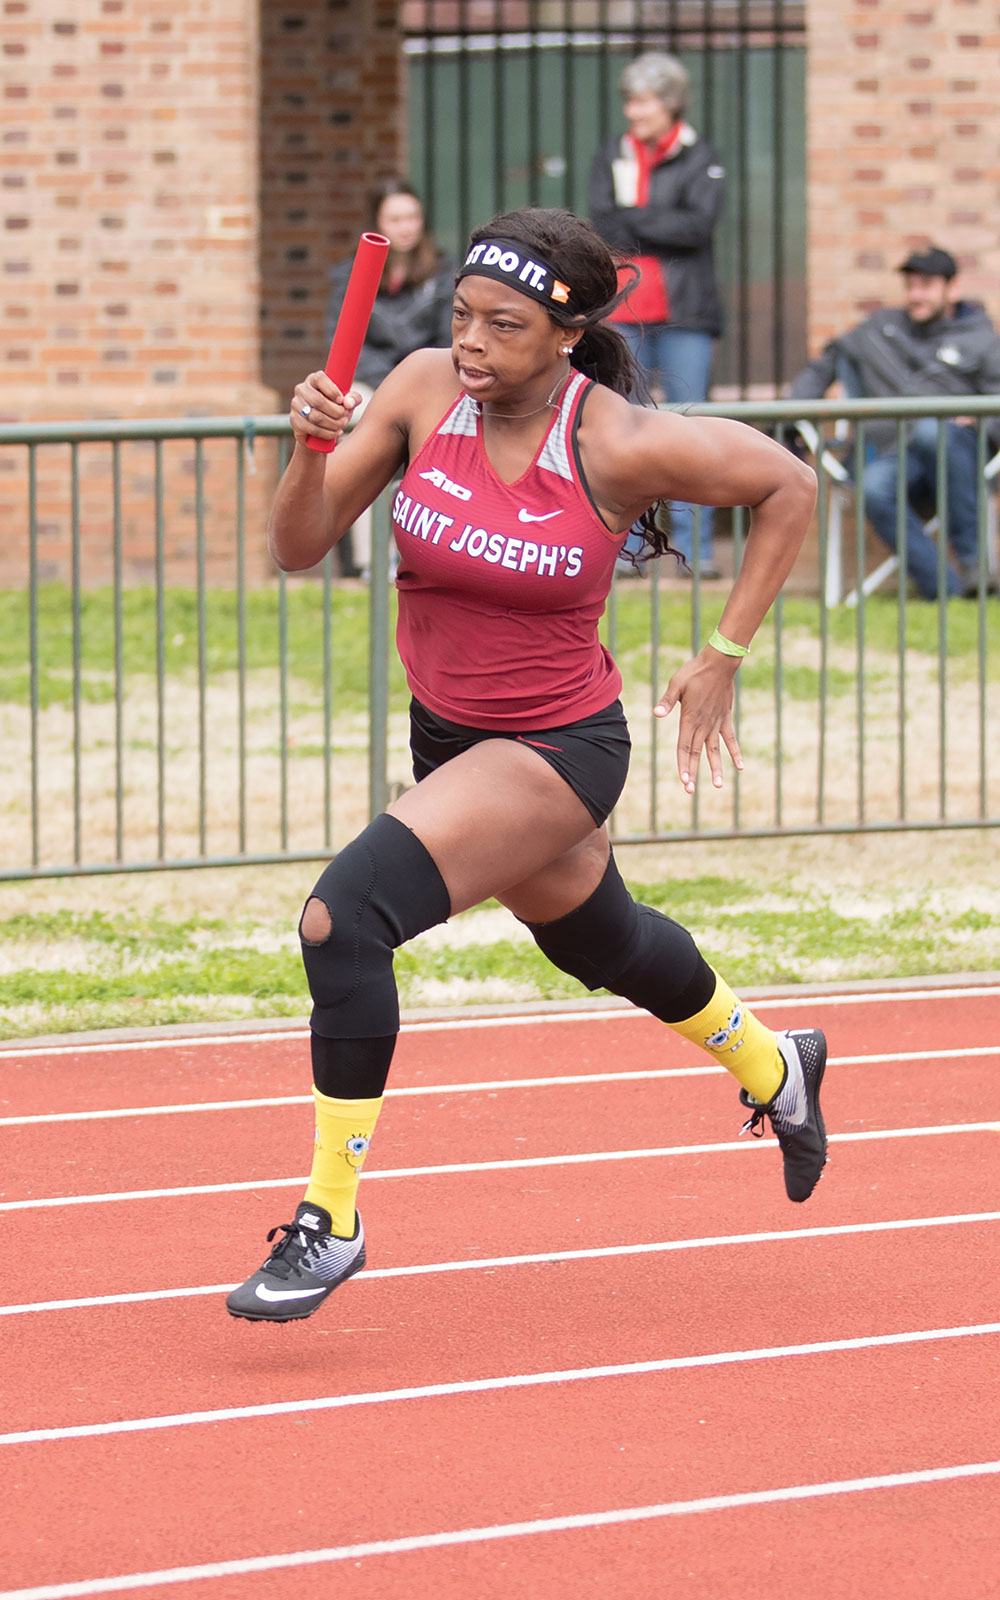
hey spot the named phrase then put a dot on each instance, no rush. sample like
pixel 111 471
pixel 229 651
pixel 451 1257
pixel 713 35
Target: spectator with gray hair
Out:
pixel 656 194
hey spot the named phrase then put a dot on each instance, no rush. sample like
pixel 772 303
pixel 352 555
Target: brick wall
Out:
pixel 903 108
pixel 331 124
pixel 168 170
pixel 130 208
pixel 177 176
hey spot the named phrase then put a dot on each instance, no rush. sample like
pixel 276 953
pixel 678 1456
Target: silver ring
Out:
pixel 306 410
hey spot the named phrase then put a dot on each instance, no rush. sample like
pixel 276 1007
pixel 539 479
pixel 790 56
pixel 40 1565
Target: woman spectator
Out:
pixel 656 193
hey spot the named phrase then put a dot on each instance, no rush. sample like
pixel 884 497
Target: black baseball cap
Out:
pixel 931 262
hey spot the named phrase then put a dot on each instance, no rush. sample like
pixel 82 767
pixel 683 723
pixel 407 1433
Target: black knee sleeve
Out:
pixel 351 1069
pixel 610 942
pixel 382 889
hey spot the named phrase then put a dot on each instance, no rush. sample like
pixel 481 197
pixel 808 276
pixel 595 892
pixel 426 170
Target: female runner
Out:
pixel 524 468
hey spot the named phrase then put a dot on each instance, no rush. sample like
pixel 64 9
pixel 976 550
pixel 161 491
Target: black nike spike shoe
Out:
pixel 304 1267
pixel 794 1112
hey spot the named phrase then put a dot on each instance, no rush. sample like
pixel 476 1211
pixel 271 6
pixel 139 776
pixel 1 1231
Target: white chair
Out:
pixel 841 497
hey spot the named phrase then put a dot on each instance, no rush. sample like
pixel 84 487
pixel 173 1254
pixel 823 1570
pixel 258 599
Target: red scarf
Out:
pixel 648 301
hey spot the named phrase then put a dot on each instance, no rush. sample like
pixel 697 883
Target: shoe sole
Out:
pixel 294 1313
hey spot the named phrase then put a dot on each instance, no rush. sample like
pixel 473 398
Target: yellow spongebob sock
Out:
pixel 732 1034
pixel 343 1133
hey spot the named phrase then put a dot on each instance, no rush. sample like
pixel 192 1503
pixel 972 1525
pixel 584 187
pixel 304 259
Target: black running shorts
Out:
pixel 592 755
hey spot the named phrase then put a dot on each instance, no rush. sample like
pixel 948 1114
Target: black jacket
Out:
pixel 889 355
pixel 412 319
pixel 686 192
pixel 893 356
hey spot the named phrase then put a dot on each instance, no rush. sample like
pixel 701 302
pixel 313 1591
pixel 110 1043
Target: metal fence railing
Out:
pixel 178 704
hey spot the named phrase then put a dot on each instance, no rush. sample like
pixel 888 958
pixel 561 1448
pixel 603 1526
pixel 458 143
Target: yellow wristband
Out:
pixel 726 647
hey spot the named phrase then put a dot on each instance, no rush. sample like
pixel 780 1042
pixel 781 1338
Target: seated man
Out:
pixel 935 344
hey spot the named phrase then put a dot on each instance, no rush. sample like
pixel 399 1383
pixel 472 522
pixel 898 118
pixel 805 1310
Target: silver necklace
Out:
pixel 515 416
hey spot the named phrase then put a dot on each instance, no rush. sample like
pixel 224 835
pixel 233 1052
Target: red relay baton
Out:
pixel 352 324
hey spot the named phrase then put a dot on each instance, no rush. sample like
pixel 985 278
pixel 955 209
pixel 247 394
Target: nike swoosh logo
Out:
pixel 530 516
pixel 264 1293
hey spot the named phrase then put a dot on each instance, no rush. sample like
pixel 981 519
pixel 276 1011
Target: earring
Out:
pixel 567 349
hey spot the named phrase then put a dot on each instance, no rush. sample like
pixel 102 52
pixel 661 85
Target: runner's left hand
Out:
pixel 703 688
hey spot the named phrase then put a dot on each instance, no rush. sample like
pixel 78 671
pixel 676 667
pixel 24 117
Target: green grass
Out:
pixel 65 968
pixel 66 971
pixel 182 635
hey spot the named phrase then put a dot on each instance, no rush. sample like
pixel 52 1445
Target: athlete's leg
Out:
pixel 546 861
pixel 608 941
pixel 381 890
pixel 493 817
pixel 495 814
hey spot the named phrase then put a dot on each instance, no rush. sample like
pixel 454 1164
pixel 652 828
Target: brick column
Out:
pixel 903 122
pixel 131 209
pixel 155 153
pixel 332 123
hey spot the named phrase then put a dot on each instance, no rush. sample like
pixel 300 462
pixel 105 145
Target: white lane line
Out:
pixel 118 1047
pixel 488 1086
pixel 157 1111
pixel 521 1020
pixel 519 1380
pixel 505 1530
pixel 482 1087
pixel 492 1166
pixel 491 1263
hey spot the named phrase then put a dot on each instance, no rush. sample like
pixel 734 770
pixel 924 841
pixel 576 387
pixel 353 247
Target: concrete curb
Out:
pixel 39 1043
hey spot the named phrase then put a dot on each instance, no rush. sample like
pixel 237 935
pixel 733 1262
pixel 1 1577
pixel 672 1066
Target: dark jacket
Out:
pixel 889 355
pixel 412 319
pixel 892 355
pixel 686 192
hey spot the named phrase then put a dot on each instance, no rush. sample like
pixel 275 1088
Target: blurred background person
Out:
pixel 935 343
pixel 412 311
pixel 655 196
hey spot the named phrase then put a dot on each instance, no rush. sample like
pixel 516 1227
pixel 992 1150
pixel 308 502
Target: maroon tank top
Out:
pixel 502 585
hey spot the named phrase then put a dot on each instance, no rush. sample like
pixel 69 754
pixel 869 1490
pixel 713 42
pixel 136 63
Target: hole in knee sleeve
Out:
pixel 316 925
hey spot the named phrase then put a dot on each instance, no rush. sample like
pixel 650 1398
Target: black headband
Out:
pixel 511 263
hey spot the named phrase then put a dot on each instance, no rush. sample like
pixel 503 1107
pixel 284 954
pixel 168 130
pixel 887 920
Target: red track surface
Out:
pixel 774 1337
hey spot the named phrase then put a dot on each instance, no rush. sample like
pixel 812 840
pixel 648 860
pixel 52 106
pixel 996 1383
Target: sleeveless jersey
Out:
pixel 502 585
